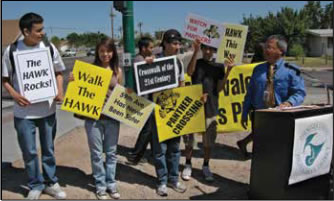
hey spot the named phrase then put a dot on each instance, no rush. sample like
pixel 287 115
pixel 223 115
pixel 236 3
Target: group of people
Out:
pixel 273 83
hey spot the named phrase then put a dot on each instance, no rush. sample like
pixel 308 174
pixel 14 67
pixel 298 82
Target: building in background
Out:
pixel 320 42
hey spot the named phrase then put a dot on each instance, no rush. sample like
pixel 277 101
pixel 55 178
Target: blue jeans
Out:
pixel 26 133
pixel 166 157
pixel 103 136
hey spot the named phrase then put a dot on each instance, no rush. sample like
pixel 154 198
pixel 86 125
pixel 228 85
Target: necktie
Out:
pixel 270 99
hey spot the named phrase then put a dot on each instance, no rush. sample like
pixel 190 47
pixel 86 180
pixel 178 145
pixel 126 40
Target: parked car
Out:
pixel 91 52
pixel 69 53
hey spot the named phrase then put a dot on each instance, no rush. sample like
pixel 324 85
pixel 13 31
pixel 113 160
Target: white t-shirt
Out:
pixel 36 110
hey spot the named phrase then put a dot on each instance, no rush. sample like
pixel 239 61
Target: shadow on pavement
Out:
pixel 221 151
pixel 227 189
pixel 131 175
pixel 15 180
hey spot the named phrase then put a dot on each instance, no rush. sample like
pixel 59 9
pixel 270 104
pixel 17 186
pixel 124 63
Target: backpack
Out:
pixel 13 48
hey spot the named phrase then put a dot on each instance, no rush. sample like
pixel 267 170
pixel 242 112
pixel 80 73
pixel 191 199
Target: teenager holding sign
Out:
pixel 103 134
pixel 212 76
pixel 28 116
pixel 167 154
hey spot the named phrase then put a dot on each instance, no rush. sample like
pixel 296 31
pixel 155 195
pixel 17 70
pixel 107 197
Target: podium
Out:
pixel 272 157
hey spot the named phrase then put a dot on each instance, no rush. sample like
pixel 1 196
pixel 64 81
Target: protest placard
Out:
pixel 160 75
pixel 233 43
pixel 86 94
pixel 179 112
pixel 231 99
pixel 35 74
pixel 128 108
pixel 208 31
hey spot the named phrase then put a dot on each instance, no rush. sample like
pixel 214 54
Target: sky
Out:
pixel 64 17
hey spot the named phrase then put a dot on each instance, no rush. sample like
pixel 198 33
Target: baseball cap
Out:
pixel 170 36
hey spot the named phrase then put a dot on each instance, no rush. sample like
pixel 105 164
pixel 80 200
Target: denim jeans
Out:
pixel 26 133
pixel 103 137
pixel 166 157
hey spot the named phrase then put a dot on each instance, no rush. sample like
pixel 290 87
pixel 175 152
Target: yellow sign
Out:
pixel 231 99
pixel 128 108
pixel 233 43
pixel 179 112
pixel 187 80
pixel 86 94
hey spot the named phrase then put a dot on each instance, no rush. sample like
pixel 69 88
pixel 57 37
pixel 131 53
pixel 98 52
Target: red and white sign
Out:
pixel 208 31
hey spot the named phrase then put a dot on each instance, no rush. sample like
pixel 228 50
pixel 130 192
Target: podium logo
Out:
pixel 315 150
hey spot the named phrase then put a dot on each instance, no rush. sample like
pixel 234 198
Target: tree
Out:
pixel 327 17
pixel 87 39
pixel 292 24
pixel 56 41
pixel 314 13
pixel 73 39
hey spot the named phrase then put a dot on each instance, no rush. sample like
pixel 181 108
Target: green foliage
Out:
pixel 86 39
pixel 290 23
pixel 297 51
pixel 56 41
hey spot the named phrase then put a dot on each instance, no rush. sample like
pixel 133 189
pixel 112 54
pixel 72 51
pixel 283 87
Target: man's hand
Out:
pixel 229 63
pixel 150 59
pixel 22 101
pixel 204 97
pixel 244 123
pixel 284 105
pixel 59 97
pixel 197 45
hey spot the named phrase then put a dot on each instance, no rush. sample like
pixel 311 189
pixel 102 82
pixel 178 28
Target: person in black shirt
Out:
pixel 212 76
pixel 145 46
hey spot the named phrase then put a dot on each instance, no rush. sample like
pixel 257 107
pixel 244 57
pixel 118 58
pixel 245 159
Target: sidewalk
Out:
pixel 231 171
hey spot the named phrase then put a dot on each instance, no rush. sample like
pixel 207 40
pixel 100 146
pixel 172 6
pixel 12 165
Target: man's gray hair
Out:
pixel 281 42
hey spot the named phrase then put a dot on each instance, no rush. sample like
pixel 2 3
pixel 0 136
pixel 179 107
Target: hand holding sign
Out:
pixel 36 76
pixel 81 96
pixel 197 45
pixel 22 101
pixel 229 63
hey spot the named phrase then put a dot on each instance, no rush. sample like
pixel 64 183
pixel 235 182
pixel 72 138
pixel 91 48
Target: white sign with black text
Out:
pixel 35 73
pixel 312 149
pixel 160 75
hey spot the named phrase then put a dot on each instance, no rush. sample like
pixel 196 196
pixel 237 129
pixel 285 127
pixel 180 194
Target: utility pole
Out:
pixel 140 24
pixel 120 30
pixel 112 15
pixel 126 8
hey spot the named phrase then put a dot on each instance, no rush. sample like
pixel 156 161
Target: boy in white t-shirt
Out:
pixel 42 115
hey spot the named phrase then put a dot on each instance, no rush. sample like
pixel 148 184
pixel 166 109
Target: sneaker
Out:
pixel 162 190
pixel 186 173
pixel 178 187
pixel 207 174
pixel 55 191
pixel 34 194
pixel 101 195
pixel 113 192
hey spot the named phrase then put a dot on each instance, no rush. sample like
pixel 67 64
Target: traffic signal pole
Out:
pixel 129 41
pixel 126 7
